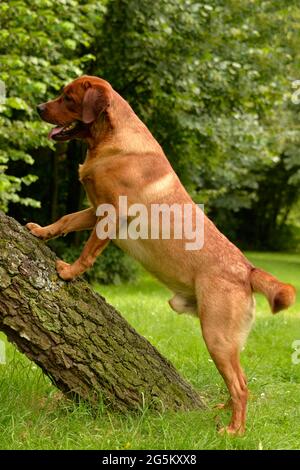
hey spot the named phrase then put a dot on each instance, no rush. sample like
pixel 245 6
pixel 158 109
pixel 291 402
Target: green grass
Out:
pixel 33 415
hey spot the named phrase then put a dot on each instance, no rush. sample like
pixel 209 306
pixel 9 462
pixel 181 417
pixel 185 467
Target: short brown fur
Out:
pixel 215 282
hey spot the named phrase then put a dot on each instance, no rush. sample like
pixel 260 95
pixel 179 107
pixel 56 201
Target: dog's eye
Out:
pixel 68 99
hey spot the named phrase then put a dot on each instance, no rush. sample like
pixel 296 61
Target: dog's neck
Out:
pixel 118 131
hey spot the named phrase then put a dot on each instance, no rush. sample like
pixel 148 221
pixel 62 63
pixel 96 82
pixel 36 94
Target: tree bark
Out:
pixel 81 342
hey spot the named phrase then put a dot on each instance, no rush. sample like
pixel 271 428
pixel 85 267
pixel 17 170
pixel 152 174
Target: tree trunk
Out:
pixel 81 342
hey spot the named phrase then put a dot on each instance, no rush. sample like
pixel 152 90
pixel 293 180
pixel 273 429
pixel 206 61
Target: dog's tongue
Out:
pixel 54 131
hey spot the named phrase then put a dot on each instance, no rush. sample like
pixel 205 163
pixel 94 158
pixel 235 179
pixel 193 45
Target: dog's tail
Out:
pixel 279 294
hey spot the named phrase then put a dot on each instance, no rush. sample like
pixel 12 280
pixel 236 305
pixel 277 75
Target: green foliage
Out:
pixel 40 44
pixel 113 267
pixel 213 81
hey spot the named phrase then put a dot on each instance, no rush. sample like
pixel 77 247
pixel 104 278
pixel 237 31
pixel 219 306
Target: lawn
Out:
pixel 33 415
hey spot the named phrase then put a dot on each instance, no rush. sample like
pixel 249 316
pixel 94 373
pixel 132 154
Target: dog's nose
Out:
pixel 40 108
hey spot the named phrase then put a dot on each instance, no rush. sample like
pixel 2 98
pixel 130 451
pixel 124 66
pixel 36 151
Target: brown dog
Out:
pixel 123 158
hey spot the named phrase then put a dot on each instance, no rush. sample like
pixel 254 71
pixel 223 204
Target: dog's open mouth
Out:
pixel 65 132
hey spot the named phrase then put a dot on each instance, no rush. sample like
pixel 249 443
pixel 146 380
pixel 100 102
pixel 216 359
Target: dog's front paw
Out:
pixel 64 270
pixel 36 230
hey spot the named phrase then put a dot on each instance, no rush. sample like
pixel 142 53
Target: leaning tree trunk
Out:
pixel 81 342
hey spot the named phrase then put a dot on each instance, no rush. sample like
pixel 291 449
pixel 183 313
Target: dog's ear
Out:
pixel 95 101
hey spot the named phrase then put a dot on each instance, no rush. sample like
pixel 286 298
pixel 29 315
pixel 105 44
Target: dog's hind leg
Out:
pixel 226 314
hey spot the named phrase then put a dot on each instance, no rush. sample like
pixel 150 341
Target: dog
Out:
pixel 215 282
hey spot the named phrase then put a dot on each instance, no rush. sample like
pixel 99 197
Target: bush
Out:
pixel 286 238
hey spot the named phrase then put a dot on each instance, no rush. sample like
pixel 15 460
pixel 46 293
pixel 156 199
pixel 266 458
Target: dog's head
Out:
pixel 78 107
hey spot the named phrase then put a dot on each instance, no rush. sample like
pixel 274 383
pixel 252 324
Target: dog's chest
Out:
pixel 87 179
